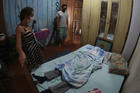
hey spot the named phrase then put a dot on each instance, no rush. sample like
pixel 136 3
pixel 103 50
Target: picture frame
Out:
pixel 104 44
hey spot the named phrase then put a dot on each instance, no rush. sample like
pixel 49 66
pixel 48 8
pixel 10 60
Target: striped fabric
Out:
pixel 32 49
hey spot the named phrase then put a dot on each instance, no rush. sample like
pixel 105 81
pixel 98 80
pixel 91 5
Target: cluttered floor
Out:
pixel 19 79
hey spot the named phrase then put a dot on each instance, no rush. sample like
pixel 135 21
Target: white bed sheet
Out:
pixel 101 79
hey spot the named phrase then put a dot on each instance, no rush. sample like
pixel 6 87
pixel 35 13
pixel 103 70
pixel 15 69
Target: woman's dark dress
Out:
pixel 32 49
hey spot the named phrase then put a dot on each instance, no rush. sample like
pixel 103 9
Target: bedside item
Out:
pixel 42 34
pixel 118 65
pixel 104 44
pixel 95 90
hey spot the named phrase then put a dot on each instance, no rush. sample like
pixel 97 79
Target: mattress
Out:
pixel 101 79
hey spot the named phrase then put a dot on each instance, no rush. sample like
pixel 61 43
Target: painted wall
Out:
pixel 44 13
pixel 132 84
pixel 134 30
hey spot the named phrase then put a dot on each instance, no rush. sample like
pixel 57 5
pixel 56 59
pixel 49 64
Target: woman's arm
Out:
pixel 22 56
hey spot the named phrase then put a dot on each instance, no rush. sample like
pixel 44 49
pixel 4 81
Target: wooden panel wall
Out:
pixel 2 24
pixel 45 12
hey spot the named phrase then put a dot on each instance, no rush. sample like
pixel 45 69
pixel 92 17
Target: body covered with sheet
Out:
pixel 77 70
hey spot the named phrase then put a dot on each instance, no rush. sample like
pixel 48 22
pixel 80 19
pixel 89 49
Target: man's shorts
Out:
pixel 63 32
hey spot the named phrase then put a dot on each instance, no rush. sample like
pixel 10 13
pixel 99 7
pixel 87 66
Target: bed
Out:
pixel 101 79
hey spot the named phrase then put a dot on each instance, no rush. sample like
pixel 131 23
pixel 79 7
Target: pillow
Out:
pixel 118 65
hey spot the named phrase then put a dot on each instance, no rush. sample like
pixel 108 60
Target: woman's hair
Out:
pixel 27 11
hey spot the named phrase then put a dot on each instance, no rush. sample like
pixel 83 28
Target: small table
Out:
pixel 42 34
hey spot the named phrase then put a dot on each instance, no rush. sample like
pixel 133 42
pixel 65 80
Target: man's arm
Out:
pixel 58 19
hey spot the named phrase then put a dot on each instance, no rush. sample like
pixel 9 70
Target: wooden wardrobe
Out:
pixel 106 19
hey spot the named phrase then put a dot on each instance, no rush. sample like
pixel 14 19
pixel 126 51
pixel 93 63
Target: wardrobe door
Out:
pixel 113 19
pixel 103 18
pixel 85 21
pixel 108 19
pixel 90 21
pixel 94 21
pixel 109 7
pixel 122 26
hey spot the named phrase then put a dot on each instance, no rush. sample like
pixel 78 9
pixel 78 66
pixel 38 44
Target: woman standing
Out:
pixel 26 43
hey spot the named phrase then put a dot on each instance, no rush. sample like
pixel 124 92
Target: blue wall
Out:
pixel 44 12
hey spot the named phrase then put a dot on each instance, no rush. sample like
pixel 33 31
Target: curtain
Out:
pixel 44 13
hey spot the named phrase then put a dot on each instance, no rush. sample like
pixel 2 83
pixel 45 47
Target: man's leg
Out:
pixel 65 33
pixel 61 35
